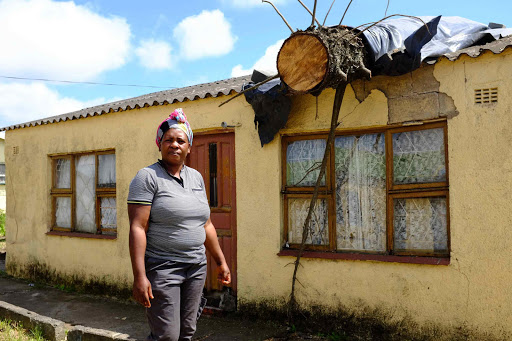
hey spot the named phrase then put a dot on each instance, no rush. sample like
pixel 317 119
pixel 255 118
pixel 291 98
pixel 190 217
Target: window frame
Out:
pixel 420 190
pixel 100 192
pixel 3 174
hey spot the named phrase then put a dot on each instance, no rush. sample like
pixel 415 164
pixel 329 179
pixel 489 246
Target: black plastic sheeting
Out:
pixel 398 46
pixel 271 108
pixel 395 47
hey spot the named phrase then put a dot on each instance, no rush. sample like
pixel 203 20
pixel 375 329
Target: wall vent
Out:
pixel 489 95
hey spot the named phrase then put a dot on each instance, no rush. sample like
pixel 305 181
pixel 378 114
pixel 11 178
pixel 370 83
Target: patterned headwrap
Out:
pixel 176 120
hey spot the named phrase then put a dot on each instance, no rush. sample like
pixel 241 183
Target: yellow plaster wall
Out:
pixel 2 187
pixel 472 292
pixel 131 134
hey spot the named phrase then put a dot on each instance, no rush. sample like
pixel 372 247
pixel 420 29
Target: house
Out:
pixel 413 216
pixel 2 174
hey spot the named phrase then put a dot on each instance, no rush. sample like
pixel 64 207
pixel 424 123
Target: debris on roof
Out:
pixel 400 45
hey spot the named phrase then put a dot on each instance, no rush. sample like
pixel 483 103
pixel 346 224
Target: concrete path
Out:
pixel 99 318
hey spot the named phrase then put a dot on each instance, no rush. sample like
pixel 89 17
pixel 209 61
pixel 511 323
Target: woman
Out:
pixel 170 227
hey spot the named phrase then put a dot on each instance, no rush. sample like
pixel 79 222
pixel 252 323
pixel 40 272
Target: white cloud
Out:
pixel 27 102
pixel 266 63
pixel 251 3
pixel 46 38
pixel 207 34
pixel 155 55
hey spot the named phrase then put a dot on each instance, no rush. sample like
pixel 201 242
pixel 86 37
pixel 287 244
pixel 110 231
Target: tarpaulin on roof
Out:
pixel 400 45
pixel 271 108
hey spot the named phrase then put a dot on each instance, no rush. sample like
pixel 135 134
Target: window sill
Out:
pixel 370 257
pixel 80 235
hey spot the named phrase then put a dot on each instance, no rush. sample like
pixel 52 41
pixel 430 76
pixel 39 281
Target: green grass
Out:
pixel 2 223
pixel 13 331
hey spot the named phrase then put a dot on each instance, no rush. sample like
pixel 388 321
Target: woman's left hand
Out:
pixel 224 275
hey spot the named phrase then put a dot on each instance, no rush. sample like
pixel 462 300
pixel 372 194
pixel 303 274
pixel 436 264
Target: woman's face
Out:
pixel 174 147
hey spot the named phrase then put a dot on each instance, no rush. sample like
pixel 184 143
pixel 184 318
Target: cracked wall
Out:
pixel 411 97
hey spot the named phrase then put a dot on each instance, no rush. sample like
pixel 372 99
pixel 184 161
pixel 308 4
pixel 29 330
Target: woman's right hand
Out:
pixel 142 291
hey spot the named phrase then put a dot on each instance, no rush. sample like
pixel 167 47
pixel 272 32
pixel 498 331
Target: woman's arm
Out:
pixel 139 217
pixel 212 245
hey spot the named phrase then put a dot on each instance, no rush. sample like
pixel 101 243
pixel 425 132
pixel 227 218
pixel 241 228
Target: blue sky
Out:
pixel 164 43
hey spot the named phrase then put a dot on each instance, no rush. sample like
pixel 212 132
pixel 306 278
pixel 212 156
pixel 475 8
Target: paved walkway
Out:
pixel 115 318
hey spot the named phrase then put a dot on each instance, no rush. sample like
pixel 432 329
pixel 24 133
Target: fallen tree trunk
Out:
pixel 318 58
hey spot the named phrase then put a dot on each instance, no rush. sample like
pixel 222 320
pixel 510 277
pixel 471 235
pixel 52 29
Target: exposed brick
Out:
pixel 414 108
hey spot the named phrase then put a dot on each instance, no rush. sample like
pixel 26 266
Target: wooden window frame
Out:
pixel 100 192
pixel 420 190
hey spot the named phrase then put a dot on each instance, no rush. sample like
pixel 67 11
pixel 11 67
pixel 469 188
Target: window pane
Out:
pixel 62 173
pixel 360 192
pixel 85 193
pixel 108 213
pixel 2 173
pixel 418 156
pixel 107 170
pixel 303 161
pixel 420 225
pixel 63 212
pixel 319 227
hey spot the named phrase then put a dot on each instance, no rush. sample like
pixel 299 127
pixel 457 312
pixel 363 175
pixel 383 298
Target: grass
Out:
pixel 12 331
pixel 2 231
pixel 2 223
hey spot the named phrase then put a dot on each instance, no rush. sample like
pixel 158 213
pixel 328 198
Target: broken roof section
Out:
pixel 397 46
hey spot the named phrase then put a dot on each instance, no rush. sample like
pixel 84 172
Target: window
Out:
pixel 384 192
pixel 84 193
pixel 2 173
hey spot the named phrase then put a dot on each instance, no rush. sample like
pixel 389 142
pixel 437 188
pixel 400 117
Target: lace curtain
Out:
pixel 303 160
pixel 63 212
pixel 420 224
pixel 85 193
pixel 360 192
pixel 107 170
pixel 108 213
pixel 418 156
pixel 63 173
pixel 318 232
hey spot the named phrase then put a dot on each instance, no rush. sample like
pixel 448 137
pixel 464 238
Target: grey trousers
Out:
pixel 177 288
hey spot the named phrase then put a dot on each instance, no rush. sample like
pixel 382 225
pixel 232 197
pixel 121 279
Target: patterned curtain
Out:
pixel 360 192
pixel 318 232
pixel 303 160
pixel 107 170
pixel 85 193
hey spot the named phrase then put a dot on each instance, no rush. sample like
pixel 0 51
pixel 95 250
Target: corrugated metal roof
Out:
pixel 495 47
pixel 215 89
pixel 191 93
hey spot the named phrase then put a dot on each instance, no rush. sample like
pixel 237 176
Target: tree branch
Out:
pixel 329 11
pixel 314 14
pixel 309 11
pixel 338 98
pixel 389 16
pixel 257 85
pixel 286 22
pixel 346 9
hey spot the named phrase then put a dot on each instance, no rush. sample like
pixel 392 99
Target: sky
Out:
pixel 163 44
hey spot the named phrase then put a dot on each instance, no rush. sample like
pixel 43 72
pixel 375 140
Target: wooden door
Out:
pixel 213 155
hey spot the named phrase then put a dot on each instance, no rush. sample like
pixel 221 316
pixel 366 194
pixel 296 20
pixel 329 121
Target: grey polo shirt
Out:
pixel 178 213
